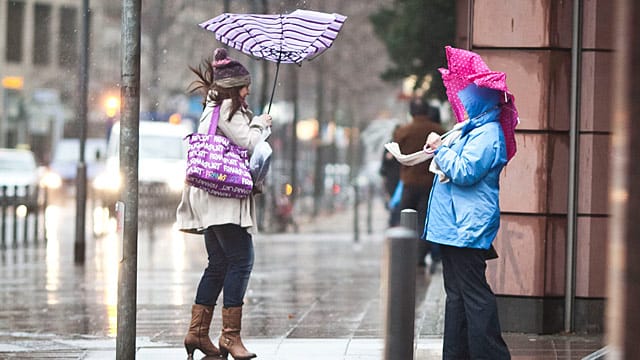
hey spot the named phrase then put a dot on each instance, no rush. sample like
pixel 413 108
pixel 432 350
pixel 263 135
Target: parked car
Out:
pixel 63 168
pixel 161 168
pixel 19 170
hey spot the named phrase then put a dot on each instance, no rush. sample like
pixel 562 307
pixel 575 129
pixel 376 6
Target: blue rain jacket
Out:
pixel 465 211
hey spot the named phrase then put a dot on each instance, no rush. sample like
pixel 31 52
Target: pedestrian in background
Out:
pixel 417 179
pixel 463 216
pixel 390 173
pixel 227 223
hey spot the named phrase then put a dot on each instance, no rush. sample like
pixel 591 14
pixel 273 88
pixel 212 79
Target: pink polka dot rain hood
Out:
pixel 466 67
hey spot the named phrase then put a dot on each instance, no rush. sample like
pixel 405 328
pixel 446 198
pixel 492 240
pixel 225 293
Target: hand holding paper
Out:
pixel 409 159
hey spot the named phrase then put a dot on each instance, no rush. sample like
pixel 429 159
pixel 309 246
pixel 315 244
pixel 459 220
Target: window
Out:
pixel 15 23
pixel 68 37
pixel 41 34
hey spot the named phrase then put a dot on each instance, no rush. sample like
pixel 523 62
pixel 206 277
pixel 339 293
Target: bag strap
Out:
pixel 213 124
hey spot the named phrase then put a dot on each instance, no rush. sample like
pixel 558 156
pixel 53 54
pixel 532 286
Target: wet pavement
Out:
pixel 312 295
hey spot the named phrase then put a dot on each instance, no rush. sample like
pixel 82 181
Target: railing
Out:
pixel 21 214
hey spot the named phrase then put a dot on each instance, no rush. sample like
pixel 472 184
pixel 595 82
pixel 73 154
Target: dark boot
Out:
pixel 198 335
pixel 230 341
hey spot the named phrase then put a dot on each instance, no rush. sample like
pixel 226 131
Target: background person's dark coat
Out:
pixel 411 138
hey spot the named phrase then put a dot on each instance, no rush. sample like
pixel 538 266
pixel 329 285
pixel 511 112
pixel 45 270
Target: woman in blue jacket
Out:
pixel 463 216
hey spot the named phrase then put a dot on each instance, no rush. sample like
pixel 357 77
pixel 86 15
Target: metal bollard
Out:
pixel 356 212
pixel 369 209
pixel 409 219
pixel 45 203
pixel 4 217
pixel 25 221
pixel 14 206
pixel 399 282
pixel 36 214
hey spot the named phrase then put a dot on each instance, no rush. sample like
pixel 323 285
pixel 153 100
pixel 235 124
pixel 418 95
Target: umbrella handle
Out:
pixel 273 90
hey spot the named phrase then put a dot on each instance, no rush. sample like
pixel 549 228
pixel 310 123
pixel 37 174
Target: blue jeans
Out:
pixel 471 325
pixel 230 253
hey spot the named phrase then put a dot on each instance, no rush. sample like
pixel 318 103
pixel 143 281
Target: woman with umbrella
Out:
pixel 463 214
pixel 227 223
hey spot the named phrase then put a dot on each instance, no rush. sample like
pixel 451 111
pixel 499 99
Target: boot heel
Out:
pixel 224 353
pixel 190 349
pixel 198 335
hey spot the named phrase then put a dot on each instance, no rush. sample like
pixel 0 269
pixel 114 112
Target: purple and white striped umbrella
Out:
pixel 284 38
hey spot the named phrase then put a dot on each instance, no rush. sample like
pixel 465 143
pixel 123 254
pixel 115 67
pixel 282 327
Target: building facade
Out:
pixel 532 42
pixel 38 62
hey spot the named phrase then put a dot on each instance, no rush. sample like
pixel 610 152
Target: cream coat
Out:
pixel 198 209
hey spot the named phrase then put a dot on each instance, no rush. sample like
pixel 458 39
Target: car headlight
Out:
pixel 108 182
pixel 51 180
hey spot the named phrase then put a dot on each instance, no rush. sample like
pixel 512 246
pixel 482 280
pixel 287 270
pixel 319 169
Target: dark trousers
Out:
pixel 230 253
pixel 416 198
pixel 471 325
pixel 394 216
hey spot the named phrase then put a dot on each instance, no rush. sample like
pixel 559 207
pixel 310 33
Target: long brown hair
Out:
pixel 205 84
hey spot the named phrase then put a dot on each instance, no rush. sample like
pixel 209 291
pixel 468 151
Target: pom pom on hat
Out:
pixel 220 54
pixel 220 57
pixel 228 73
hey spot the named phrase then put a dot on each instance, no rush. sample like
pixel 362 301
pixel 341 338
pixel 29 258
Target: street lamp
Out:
pixel 112 106
pixel 307 129
pixel 111 109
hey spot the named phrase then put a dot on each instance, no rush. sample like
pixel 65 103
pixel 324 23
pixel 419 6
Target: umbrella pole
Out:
pixel 273 90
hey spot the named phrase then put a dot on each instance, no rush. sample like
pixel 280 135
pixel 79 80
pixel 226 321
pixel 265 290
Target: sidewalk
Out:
pixel 312 295
pixel 350 347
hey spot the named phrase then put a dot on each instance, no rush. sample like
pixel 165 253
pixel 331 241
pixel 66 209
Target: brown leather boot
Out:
pixel 230 341
pixel 198 335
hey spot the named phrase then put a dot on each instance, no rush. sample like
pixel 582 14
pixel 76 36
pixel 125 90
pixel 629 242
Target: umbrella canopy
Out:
pixel 466 67
pixel 282 38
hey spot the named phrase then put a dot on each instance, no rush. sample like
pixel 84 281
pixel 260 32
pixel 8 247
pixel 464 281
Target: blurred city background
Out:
pixel 340 106
pixel 331 118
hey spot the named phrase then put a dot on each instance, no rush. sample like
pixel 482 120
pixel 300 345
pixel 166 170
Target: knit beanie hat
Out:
pixel 418 107
pixel 228 73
